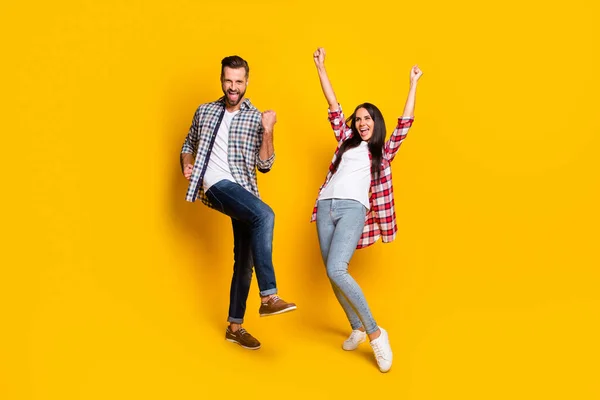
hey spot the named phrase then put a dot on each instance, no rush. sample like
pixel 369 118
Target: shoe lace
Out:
pixel 242 332
pixel 377 349
pixel 274 299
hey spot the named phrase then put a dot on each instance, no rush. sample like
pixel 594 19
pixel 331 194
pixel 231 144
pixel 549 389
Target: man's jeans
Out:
pixel 253 222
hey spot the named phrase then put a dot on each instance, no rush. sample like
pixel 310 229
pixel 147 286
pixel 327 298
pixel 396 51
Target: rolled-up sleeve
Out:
pixel 264 165
pixel 338 124
pixel 393 144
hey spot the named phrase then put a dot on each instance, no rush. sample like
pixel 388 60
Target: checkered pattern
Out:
pixel 245 139
pixel 380 221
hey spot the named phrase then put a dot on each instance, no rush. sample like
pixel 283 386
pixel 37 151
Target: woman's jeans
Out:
pixel 340 224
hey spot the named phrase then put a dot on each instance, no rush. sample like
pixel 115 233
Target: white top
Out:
pixel 352 179
pixel 218 165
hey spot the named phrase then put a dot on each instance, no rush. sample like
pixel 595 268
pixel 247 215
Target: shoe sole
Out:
pixel 354 348
pixel 245 347
pixel 279 312
pixel 383 371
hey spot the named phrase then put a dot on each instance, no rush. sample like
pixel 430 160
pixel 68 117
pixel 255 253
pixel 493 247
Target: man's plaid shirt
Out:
pixel 381 218
pixel 245 139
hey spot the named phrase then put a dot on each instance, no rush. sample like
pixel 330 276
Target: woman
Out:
pixel 355 205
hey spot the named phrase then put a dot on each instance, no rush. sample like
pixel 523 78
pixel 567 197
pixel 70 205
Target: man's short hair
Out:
pixel 234 62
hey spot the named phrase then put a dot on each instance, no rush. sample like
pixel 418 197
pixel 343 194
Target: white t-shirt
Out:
pixel 218 165
pixel 352 179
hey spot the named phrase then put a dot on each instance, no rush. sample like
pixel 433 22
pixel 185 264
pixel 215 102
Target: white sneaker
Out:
pixel 356 337
pixel 383 351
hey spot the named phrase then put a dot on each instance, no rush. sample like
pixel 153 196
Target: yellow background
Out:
pixel 114 287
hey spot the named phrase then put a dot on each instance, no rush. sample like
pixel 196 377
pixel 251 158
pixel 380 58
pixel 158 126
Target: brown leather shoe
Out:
pixel 243 338
pixel 275 305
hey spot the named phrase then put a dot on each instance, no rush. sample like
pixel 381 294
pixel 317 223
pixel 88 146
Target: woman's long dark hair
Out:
pixel 375 142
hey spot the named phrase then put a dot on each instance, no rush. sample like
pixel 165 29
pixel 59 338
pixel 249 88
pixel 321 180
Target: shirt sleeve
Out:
pixel 263 166
pixel 393 144
pixel 190 145
pixel 338 124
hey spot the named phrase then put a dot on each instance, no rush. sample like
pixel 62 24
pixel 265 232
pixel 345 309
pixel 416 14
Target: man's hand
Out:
pixel 415 74
pixel 187 171
pixel 319 57
pixel 269 118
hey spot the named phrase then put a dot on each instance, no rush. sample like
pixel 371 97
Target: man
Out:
pixel 228 140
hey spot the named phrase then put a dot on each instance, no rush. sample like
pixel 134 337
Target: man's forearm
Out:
pixel 266 148
pixel 185 159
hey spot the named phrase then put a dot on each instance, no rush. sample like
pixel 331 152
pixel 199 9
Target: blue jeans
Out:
pixel 253 222
pixel 340 223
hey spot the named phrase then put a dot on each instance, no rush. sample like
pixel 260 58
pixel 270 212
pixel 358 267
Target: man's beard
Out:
pixel 230 102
